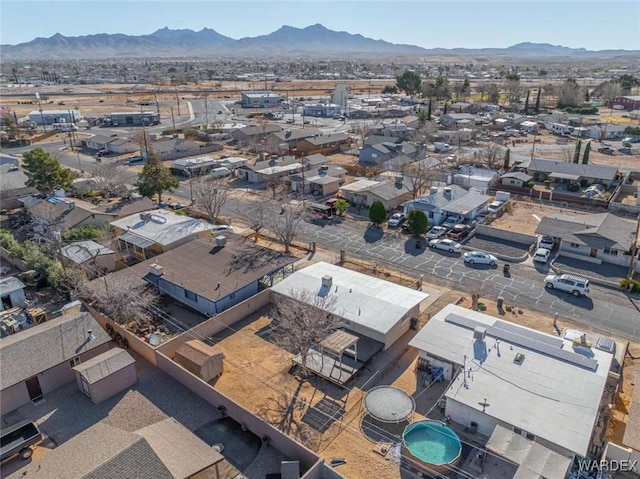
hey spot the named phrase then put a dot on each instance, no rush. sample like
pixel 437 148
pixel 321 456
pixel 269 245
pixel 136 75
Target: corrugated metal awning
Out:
pixel 135 240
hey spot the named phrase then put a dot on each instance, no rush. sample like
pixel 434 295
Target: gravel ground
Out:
pixel 604 271
pixel 497 246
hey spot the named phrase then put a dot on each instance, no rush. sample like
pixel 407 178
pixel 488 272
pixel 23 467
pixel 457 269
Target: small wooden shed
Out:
pixel 200 359
pixel 107 374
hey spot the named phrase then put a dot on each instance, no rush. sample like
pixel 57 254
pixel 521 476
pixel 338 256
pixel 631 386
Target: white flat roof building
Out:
pixel 370 306
pixel 536 383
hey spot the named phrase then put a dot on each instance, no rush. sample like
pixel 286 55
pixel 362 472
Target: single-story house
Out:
pixel 359 113
pixel 461 107
pixel 13 182
pixel 61 214
pixel 164 450
pixel 122 146
pixel 369 306
pixel 173 148
pixel 262 171
pixel 458 120
pixel 97 142
pixel 327 178
pixel 478 179
pixel 324 185
pixel 210 275
pixel 515 178
pixel 601 237
pixel 48 117
pixel 324 143
pixel 42 357
pixel 106 374
pixel 377 152
pixel 92 257
pixel 148 234
pixel 288 139
pixel 11 293
pixel 443 201
pixel 355 193
pixel 322 110
pixel 391 193
pixel 260 99
pixel 312 161
pixel 546 388
pixel 399 130
pixel 233 162
pixel 564 172
pixel 253 134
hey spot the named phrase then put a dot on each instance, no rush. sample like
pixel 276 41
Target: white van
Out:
pixel 220 172
pixel 441 147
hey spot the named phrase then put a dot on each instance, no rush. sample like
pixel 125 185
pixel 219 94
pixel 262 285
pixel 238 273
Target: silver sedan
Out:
pixel 445 244
pixel 479 257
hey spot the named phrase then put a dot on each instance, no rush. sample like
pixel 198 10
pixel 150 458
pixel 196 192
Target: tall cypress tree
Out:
pixel 576 154
pixel 429 111
pixel 538 100
pixel 526 103
pixel 585 157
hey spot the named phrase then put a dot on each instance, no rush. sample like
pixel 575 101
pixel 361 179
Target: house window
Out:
pixel 574 245
pixel 611 251
pixel 531 436
pixel 191 295
pixel 74 362
pixel 517 430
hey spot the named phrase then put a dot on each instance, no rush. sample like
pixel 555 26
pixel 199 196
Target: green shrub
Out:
pixel 82 233
pixel 584 183
pixel 547 183
pixel 573 187
pixel 417 222
pixel 529 184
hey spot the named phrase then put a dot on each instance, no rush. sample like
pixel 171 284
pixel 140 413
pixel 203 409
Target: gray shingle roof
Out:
pixel 100 452
pixel 104 365
pixel 585 171
pixel 602 230
pixel 182 452
pixel 297 134
pixel 390 190
pixel 467 203
pixel 55 341
pixel 438 200
pixel 327 139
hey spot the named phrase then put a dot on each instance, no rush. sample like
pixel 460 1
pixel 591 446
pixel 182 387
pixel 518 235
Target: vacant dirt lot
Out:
pixel 525 216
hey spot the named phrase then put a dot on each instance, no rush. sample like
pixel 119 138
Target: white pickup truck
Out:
pixel 436 232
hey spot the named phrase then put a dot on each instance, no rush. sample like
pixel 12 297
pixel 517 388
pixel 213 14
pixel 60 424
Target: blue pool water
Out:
pixel 432 442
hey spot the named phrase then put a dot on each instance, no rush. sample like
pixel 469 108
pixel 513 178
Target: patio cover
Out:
pixel 338 341
pixel 564 176
pixel 534 460
pixel 135 240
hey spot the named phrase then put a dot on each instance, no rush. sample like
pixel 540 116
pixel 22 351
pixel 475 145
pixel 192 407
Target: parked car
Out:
pixel 495 206
pixel 593 190
pixel 451 221
pixel 436 232
pixel 102 153
pixel 396 220
pixel 290 121
pixel 480 257
pixel 576 285
pixel 606 150
pixel 445 244
pixel 18 439
pixel 625 150
pixel 306 122
pixel 222 228
pixel 220 172
pixel 135 159
pixel 459 232
pixel 541 255
pixel 631 139
pixel 547 242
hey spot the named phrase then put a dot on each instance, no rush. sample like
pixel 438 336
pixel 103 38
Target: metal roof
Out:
pixel 371 302
pixel 9 285
pixel 136 240
pixel 583 171
pixel 467 203
pixel 82 251
pixel 564 176
pixel 562 398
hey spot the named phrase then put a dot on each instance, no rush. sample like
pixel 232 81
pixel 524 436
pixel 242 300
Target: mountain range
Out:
pixel 312 41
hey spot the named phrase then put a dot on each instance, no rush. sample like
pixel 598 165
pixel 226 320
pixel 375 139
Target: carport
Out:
pixel 134 244
pixel 564 176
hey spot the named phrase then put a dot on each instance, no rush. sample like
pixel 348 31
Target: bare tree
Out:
pixel 492 154
pixel 110 179
pixel 272 182
pixel 567 154
pixel 122 301
pixel 417 176
pixel 257 217
pixel 513 89
pixel 285 224
pixel 304 319
pixel 141 138
pixel 211 194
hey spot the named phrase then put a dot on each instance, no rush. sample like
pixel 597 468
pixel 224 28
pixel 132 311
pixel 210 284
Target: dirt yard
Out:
pixel 526 215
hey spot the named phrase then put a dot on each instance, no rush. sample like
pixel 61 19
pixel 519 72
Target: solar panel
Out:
pixel 527 339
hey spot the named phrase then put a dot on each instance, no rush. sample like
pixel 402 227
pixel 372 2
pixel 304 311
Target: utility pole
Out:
pixel 206 111
pixel 178 100
pixel 533 147
pixel 173 120
pixel 44 125
pixel 634 252
pixel 190 184
pixel 144 135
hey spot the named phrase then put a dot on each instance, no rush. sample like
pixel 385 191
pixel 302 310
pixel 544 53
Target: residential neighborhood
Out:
pixel 286 258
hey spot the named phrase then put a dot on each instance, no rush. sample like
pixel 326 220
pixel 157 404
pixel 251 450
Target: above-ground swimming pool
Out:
pixel 432 442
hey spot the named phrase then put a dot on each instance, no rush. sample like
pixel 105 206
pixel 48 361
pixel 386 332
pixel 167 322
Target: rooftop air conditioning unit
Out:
pixel 156 269
pixel 479 333
pixel 433 190
pixel 327 281
pixel 221 241
pixel 145 216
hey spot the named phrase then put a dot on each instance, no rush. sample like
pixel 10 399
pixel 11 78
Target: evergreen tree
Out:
pixel 507 160
pixel 417 222
pixel 538 100
pixel 585 157
pixel 409 82
pixel 576 154
pixel 155 178
pixel 526 103
pixel 44 173
pixel 377 213
pixel 429 111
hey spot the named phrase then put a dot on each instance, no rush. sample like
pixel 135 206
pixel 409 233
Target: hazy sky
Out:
pixel 592 24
